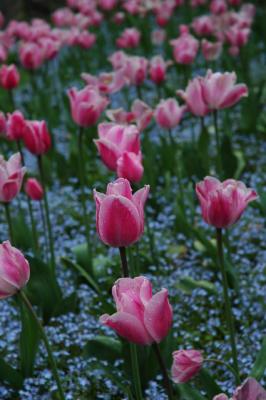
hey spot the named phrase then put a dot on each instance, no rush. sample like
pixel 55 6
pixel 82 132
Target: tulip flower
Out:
pixel 210 50
pixel 107 5
pixel 218 7
pixel 203 25
pixel 129 39
pixel 220 91
pixel 86 105
pixel 11 177
pixel 14 270
pixel 106 83
pixel 223 203
pixel 36 137
pixel 119 214
pixel 141 317
pixel 186 364
pixel 31 55
pixel 135 69
pixel 114 140
pixel 34 189
pixel 158 69
pixel 185 47
pixel 193 96
pixel 168 113
pixel 9 77
pixel 129 166
pixel 15 126
pixel 249 390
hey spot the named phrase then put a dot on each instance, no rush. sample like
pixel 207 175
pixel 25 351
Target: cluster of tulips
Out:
pixel 142 318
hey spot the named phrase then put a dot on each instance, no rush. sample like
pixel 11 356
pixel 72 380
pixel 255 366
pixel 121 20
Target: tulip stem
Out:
pixel 52 361
pixel 133 347
pixel 228 308
pixel 212 360
pixel 167 382
pixel 9 223
pixel 44 230
pixel 218 144
pixel 47 214
pixel 82 189
pixel 177 167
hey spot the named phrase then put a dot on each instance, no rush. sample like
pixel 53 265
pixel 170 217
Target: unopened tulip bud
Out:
pixel 186 364
pixel 34 189
pixel 9 77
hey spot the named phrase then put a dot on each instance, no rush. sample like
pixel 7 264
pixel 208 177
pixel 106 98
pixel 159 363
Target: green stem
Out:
pixel 9 223
pixel 52 361
pixel 47 214
pixel 44 230
pixel 222 363
pixel 133 347
pixel 218 144
pixel 228 308
pixel 177 168
pixel 167 382
pixel 11 100
pixel 82 168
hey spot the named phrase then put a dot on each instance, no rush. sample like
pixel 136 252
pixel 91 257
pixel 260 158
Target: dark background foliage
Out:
pixel 26 9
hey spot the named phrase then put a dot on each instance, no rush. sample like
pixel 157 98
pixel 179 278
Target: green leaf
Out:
pixel 259 366
pixel 188 284
pixel 81 254
pixel 229 159
pixel 22 233
pixel 29 341
pixel 104 348
pixel 10 375
pixel 187 392
pixel 203 148
pixel 208 383
pixel 43 289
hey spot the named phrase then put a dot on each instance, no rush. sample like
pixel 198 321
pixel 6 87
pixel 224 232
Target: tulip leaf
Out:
pixel 81 254
pixel 208 383
pixel 22 233
pixel 187 392
pixel 188 284
pixel 10 375
pixel 29 341
pixel 104 348
pixel 43 289
pixel 229 159
pixel 259 366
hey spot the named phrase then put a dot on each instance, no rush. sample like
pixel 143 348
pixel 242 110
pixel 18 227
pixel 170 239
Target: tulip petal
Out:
pixel 158 315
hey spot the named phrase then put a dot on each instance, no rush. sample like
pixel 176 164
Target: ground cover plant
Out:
pixel 133 202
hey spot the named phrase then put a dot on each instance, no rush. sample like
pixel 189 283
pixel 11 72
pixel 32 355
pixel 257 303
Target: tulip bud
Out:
pixel 34 189
pixel 31 55
pixel 11 177
pixel 168 113
pixel 36 137
pixel 14 270
pixel 15 126
pixel 186 364
pixel 222 203
pixel 119 214
pixel 129 166
pixel 9 77
pixel 141 317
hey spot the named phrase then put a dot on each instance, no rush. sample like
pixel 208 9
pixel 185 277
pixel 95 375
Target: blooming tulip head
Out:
pixel 168 113
pixel 114 140
pixel 141 317
pixel 249 390
pixel 186 364
pixel 129 39
pixel 193 96
pixel 135 69
pixel 31 55
pixel 9 77
pixel 222 203
pixel 86 105
pixel 34 189
pixel 220 91
pixel 129 166
pixel 36 137
pixel 119 214
pixel 185 48
pixel 11 177
pixel 14 270
pixel 15 126
pixel 158 69
pixel 210 50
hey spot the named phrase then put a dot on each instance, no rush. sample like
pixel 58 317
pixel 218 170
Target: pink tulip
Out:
pixel 218 7
pixel 236 36
pixel 106 83
pixel 185 48
pixel 222 203
pixel 114 140
pixel 15 126
pixel 9 77
pixel 84 39
pixel 86 105
pixel 2 20
pixel 34 189
pixel 249 390
pixel 14 270
pixel 141 317
pixel 168 113
pixel 31 55
pixel 36 137
pixel 163 13
pixel 3 54
pixel 119 18
pixel 118 59
pixel 142 114
pixel 2 123
pixel 135 69
pixel 193 96
pixel 186 364
pixel 129 39
pixel 119 214
pixel 203 25
pixel 158 69
pixel 129 166
pixel 220 90
pixel 50 47
pixel 211 50
pixel 107 5
pixel 11 177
